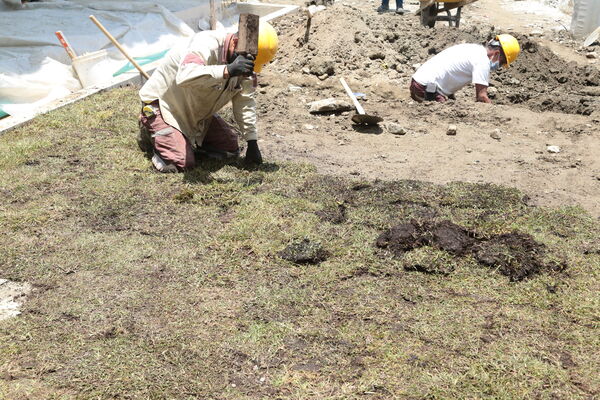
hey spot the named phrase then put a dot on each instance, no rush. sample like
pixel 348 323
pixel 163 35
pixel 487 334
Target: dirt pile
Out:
pixel 344 40
pixel 545 82
pixel 515 255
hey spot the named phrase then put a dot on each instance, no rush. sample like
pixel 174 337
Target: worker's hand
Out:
pixel 253 153
pixel 241 66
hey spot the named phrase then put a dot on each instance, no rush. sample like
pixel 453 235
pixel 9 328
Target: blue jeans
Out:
pixel 386 3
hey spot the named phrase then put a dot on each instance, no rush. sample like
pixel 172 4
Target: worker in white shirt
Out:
pixel 183 95
pixel 455 67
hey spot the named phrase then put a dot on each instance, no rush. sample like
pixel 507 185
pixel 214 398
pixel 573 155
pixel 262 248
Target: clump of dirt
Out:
pixel 451 237
pixel 382 47
pixel 408 236
pixel 515 255
pixel 304 251
pixel 402 238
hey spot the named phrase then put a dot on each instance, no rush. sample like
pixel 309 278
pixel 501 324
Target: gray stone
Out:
pixel 495 135
pixel 395 129
pixel 553 149
pixel 451 131
pixel 537 32
pixel 329 105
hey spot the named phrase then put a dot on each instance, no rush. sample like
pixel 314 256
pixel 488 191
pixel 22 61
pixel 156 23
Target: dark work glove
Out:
pixel 241 66
pixel 253 153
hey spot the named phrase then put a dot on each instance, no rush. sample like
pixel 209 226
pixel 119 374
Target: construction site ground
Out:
pixel 377 54
pixel 390 262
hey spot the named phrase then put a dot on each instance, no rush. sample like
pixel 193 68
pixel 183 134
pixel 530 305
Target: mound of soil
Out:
pixel 545 82
pixel 515 255
pixel 408 236
pixel 304 252
pixel 384 46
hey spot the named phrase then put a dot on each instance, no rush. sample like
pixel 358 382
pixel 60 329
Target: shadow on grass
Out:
pixel 203 173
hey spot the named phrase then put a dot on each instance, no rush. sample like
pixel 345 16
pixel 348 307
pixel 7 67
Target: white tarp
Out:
pixel 35 69
pixel 586 17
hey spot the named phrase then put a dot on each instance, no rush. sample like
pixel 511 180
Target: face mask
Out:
pixel 494 65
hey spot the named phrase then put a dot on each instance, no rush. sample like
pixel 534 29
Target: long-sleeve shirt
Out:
pixel 190 87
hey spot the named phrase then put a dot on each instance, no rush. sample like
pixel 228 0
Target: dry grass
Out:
pixel 153 286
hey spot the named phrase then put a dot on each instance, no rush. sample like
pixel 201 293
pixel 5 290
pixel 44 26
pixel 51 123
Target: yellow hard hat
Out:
pixel 267 45
pixel 510 47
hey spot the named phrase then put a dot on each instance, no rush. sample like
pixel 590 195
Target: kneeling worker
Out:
pixel 457 66
pixel 196 80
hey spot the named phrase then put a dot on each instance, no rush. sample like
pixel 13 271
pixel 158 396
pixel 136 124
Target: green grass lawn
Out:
pixel 152 286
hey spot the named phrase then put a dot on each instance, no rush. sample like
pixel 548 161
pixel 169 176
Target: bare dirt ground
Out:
pixel 545 99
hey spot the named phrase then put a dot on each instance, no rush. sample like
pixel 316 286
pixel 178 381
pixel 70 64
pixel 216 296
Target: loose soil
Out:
pixel 515 255
pixel 543 99
pixel 367 44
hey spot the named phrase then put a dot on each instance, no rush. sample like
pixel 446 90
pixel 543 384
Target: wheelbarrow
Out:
pixel 430 11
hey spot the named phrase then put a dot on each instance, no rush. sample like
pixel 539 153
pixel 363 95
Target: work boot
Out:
pixel 161 165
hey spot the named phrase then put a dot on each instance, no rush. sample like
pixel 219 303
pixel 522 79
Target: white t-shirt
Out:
pixel 456 67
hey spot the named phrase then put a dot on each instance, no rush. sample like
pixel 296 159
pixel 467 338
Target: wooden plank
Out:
pixel 248 34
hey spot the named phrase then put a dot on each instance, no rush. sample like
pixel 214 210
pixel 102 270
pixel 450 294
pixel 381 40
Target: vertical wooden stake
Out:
pixel 213 15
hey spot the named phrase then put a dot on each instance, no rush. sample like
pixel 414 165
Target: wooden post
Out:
pixel 213 15
pixel 248 34
pixel 118 46
pixel 308 26
pixel 63 41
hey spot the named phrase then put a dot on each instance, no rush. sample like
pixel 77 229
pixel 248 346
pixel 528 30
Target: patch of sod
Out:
pixel 174 286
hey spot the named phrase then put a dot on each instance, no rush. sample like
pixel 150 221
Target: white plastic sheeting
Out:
pixel 35 69
pixel 586 17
